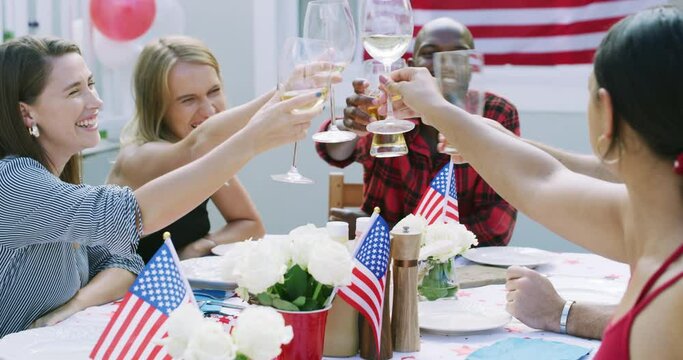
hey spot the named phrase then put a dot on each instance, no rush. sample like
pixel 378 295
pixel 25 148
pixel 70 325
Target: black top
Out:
pixel 188 229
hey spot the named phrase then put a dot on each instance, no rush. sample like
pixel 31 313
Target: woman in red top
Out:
pixel 635 116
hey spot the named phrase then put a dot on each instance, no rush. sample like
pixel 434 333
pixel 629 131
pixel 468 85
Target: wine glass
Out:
pixel 303 67
pixel 383 145
pixel 387 30
pixel 331 21
pixel 460 77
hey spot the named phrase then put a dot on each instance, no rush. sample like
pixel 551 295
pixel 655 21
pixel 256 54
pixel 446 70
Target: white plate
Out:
pixel 509 255
pixel 207 273
pixel 460 316
pixel 224 249
pixel 585 289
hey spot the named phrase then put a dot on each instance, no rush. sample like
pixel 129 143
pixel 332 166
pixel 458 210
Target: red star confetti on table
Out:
pixel 464 293
pixel 572 261
pixel 463 350
pixel 513 329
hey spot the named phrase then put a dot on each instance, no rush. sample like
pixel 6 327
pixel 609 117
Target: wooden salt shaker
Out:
pixel 405 250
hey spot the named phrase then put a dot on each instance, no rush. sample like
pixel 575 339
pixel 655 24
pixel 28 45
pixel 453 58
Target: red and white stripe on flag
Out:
pixel 366 292
pixel 135 330
pixel 431 206
pixel 532 32
pixel 133 333
pixel 440 201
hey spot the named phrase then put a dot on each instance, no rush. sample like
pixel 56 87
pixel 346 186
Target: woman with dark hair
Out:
pixel 64 245
pixel 635 116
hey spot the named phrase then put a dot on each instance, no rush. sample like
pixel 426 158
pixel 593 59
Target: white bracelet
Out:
pixel 565 314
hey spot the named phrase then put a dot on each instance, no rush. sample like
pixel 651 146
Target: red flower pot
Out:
pixel 309 334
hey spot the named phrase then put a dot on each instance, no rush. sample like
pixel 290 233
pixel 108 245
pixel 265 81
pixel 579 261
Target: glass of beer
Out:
pixel 460 76
pixel 383 145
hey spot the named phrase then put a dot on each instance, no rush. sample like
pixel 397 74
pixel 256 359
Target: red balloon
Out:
pixel 122 20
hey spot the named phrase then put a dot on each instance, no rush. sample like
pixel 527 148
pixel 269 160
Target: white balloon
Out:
pixel 114 54
pixel 169 20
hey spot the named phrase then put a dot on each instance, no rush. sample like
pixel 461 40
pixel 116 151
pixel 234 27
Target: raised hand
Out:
pixel 358 112
pixel 282 122
pixel 416 86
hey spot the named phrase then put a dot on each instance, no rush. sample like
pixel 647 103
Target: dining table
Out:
pixel 581 277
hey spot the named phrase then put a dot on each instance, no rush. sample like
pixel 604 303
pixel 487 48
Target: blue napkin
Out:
pixel 523 349
pixel 202 295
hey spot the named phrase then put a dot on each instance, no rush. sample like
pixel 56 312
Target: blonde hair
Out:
pixel 150 85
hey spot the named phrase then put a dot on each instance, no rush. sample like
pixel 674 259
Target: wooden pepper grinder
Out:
pixel 405 250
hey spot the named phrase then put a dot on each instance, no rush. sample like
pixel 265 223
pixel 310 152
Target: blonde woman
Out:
pixel 180 114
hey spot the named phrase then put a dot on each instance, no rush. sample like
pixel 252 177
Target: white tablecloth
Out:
pixel 583 276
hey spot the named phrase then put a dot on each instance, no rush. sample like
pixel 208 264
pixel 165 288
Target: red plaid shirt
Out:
pixel 396 184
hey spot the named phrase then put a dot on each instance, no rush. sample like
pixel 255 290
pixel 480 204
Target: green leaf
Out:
pixel 279 290
pixel 284 305
pixel 265 299
pixel 434 293
pixel 310 305
pixel 300 301
pixel 296 281
pixel 241 356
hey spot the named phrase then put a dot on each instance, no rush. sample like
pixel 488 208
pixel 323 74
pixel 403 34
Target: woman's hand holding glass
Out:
pixel 418 91
pixel 281 122
pixel 387 30
pixel 304 68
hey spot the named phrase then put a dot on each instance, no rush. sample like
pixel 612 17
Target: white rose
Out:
pixel 415 223
pixel 211 342
pixel 260 267
pixel 230 259
pixel 282 247
pixel 183 322
pixel 260 332
pixel 330 263
pixel 308 229
pixel 302 245
pixel 443 241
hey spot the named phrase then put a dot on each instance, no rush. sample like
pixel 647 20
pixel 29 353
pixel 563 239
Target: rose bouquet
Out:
pixel 258 334
pixel 440 243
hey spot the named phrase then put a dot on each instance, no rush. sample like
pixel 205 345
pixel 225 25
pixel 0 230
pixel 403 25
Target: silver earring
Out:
pixel 33 130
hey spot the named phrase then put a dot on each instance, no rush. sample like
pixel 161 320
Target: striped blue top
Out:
pixel 41 218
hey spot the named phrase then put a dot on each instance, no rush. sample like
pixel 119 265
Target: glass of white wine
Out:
pixel 303 67
pixel 387 31
pixel 331 21
pixel 460 75
pixel 383 145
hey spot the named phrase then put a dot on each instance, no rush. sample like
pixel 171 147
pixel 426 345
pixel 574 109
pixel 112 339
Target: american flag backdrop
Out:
pixel 532 32
pixel 440 201
pixel 140 321
pixel 366 292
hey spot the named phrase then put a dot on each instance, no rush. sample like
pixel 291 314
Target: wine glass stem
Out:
pixel 294 156
pixel 333 126
pixel 390 108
